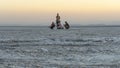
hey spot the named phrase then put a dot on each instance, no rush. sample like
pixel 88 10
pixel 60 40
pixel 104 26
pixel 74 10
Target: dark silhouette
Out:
pixel 58 23
pixel 66 25
pixel 59 26
pixel 52 25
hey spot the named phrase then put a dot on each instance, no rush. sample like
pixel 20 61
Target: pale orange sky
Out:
pixel 43 12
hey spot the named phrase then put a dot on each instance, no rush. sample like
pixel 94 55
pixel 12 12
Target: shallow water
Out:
pixel 35 47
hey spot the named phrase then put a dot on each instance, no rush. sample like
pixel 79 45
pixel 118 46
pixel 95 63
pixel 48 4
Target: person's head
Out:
pixel 57 14
pixel 65 22
pixel 52 22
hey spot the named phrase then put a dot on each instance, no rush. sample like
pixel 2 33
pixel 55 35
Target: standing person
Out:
pixel 66 25
pixel 57 20
pixel 52 25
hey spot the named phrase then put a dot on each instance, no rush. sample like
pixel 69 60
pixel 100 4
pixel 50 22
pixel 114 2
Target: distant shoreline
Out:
pixel 98 26
pixel 71 26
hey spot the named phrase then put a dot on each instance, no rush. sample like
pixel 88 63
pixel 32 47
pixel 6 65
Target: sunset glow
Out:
pixel 75 11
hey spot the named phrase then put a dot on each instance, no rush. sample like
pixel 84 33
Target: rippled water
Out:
pixel 44 34
pixel 75 46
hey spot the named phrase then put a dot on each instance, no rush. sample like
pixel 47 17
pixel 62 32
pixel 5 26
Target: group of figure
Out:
pixel 58 24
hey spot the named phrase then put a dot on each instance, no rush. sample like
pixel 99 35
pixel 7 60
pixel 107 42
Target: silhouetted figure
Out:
pixel 66 25
pixel 59 26
pixel 52 25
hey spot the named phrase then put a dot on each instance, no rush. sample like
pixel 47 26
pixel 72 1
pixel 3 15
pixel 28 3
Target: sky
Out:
pixel 43 12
